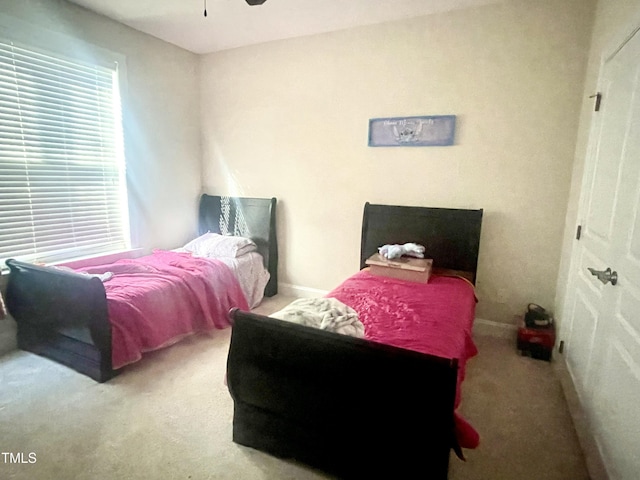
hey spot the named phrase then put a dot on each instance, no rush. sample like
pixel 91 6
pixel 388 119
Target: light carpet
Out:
pixel 169 417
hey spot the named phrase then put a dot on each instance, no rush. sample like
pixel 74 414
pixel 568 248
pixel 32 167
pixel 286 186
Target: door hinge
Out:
pixel 561 347
pixel 598 97
pixel 578 232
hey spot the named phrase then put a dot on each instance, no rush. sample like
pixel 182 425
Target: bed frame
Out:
pixel 451 236
pixel 63 315
pixel 253 218
pixel 352 407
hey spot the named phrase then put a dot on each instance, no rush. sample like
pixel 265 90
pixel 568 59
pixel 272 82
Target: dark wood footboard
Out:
pixel 349 406
pixel 63 316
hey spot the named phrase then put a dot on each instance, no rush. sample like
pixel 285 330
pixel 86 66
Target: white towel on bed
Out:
pixel 323 313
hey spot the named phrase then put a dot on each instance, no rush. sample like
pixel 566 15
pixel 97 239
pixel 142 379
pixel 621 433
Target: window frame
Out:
pixel 68 47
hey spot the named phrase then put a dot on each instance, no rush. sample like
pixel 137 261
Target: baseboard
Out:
pixel 298 291
pixel 589 445
pixel 482 326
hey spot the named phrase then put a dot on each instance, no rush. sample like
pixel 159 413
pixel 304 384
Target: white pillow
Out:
pixel 213 245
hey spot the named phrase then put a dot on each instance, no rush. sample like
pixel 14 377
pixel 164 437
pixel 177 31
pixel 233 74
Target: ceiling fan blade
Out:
pixel 255 2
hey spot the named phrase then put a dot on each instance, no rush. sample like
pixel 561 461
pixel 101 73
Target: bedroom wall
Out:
pixel 162 134
pixel 289 119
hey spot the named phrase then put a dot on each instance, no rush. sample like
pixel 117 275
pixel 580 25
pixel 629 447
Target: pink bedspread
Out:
pixel 435 318
pixel 156 300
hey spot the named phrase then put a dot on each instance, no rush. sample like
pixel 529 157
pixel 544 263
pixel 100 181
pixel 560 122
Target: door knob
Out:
pixel 605 275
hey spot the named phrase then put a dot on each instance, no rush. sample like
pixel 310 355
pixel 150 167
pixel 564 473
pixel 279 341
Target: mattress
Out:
pixel 251 274
pixel 435 318
pixel 156 300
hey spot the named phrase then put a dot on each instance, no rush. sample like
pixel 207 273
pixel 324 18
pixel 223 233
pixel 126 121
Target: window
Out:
pixel 62 186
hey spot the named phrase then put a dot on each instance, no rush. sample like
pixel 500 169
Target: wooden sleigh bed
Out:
pixel 65 315
pixel 356 407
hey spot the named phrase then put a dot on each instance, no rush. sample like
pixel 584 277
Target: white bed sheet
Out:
pixel 251 275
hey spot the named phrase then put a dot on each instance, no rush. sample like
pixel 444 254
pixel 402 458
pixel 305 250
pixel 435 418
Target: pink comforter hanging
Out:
pixel 434 318
pixel 156 300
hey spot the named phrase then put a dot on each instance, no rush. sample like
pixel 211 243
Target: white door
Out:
pixel 602 330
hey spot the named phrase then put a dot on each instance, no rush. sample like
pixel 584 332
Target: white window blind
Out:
pixel 62 187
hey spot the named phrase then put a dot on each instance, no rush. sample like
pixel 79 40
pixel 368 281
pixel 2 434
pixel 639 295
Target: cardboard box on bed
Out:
pixel 404 268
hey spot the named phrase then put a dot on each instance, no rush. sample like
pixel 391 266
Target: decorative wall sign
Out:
pixel 426 131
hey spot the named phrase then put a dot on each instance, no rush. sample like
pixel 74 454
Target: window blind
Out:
pixel 62 188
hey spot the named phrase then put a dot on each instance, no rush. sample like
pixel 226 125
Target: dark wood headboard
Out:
pixel 253 218
pixel 450 236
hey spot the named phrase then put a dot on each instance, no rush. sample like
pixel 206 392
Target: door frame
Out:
pixel 613 46
pixel 595 463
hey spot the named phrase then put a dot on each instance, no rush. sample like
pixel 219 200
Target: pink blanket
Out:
pixel 434 317
pixel 156 300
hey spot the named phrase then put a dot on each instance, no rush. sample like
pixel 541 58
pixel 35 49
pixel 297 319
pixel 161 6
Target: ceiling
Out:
pixel 233 23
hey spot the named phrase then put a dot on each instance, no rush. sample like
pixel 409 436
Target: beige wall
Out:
pixel 289 119
pixel 615 20
pixel 161 124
